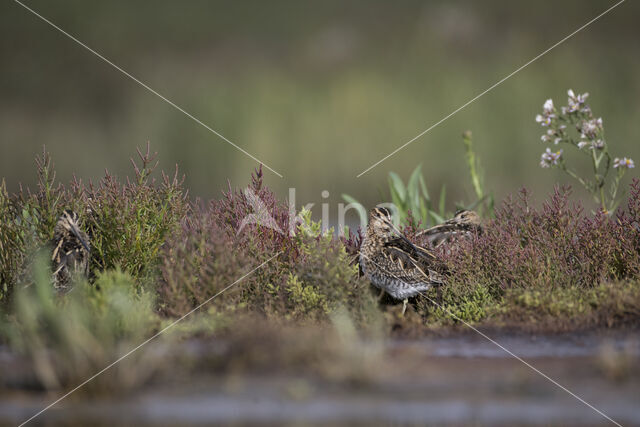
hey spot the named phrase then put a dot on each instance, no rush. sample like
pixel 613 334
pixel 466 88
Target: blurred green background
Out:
pixel 317 90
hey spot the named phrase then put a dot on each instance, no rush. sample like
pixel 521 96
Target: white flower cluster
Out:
pixel 576 103
pixel 550 158
pixel 576 112
pixel 553 135
pixel 548 119
pixel 548 113
pixel 623 163
pixel 590 134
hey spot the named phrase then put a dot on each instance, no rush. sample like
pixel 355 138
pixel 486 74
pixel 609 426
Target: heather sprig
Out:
pixel 26 223
pixel 556 266
pixel 576 126
pixel 310 279
pixel 129 222
pixel 556 245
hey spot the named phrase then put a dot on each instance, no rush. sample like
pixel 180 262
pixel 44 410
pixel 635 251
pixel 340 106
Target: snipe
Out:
pixel 71 251
pixel 462 225
pixel 393 263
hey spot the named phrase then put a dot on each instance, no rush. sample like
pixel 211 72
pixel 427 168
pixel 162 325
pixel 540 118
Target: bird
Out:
pixel 463 224
pixel 71 251
pixel 392 263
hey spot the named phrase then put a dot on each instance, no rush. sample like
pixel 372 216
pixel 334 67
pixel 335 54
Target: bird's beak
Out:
pixel 76 233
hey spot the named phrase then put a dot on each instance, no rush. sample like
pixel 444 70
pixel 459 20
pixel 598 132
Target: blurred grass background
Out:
pixel 319 91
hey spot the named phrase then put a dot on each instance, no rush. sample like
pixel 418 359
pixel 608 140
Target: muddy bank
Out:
pixel 456 380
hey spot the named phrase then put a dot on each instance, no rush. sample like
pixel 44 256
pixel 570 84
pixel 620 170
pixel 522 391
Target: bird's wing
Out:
pixel 446 232
pixel 435 236
pixel 410 262
pixel 405 245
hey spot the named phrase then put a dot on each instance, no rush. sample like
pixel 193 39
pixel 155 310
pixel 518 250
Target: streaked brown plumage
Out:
pixel 394 264
pixel 462 225
pixel 71 251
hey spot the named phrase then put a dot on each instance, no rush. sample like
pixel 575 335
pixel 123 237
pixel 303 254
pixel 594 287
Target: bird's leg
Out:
pixel 404 305
pixel 381 294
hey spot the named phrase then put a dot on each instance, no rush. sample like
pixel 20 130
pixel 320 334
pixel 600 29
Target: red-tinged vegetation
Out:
pixel 184 252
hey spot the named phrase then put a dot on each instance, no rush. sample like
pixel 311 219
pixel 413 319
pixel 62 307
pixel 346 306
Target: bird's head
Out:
pixel 380 222
pixel 464 216
pixel 69 221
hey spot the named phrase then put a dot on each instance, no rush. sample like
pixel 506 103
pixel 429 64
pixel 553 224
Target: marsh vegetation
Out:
pixel 211 293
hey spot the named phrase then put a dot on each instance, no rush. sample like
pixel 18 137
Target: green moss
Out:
pixel 459 303
pixel 305 299
pixel 326 280
pixel 607 304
